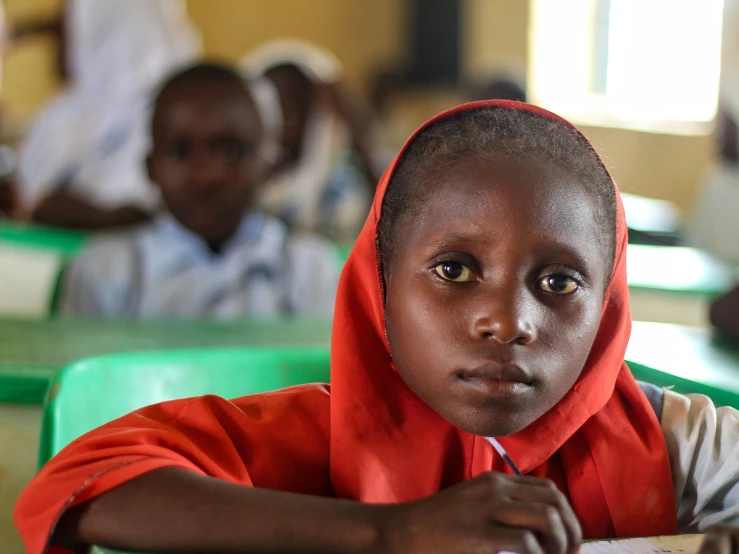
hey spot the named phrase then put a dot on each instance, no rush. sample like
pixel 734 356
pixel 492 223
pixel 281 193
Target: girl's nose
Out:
pixel 504 320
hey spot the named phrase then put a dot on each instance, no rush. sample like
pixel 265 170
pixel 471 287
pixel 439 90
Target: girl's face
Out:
pixel 495 293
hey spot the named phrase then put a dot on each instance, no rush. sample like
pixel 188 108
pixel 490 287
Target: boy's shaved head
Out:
pixel 207 74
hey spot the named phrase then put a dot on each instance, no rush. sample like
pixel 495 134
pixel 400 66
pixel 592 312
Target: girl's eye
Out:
pixel 559 284
pixel 454 271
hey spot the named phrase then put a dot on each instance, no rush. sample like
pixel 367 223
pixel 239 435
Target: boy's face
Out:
pixel 206 156
pixel 495 293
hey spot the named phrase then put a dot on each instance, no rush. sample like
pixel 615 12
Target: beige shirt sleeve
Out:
pixel 703 445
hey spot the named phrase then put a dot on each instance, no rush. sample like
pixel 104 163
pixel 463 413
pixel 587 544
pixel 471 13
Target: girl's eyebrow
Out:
pixel 564 249
pixel 550 247
pixel 456 236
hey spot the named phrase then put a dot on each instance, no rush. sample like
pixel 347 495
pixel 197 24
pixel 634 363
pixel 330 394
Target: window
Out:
pixel 644 64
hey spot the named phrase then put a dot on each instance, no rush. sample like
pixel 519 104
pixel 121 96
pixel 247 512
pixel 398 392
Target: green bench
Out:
pixel 65 242
pixel 92 392
pixel 689 359
pixel 651 221
pixel 674 284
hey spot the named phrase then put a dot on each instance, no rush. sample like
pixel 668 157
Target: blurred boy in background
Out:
pixel 213 254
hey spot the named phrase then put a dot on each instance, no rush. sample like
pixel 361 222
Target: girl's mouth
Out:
pixel 496 388
pixel 492 380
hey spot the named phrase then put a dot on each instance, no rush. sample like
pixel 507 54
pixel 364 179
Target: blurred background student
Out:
pixel 212 254
pixel 715 226
pixel 499 88
pixel 325 174
pixel 80 164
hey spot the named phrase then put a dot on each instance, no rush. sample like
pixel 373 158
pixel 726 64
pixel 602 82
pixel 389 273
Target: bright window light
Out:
pixel 645 64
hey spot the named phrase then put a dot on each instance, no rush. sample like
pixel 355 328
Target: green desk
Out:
pixel 651 221
pixel 688 358
pixel 66 242
pixel 671 284
pixel 31 351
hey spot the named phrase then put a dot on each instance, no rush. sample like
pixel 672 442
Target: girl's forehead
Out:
pixel 526 205
pixel 526 181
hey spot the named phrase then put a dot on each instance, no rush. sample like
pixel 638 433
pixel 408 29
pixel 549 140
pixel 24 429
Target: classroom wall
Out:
pixel 369 35
pixel 29 78
pixel 650 164
pixel 365 36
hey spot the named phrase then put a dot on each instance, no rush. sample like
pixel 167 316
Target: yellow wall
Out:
pixel 655 165
pixel 495 36
pixel 367 35
pixel 364 35
pixel 29 78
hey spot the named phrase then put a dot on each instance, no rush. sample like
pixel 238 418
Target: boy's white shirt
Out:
pixel 164 270
pixel 703 445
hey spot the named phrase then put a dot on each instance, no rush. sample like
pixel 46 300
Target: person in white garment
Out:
pixel 714 226
pixel 325 173
pixel 212 254
pixel 80 164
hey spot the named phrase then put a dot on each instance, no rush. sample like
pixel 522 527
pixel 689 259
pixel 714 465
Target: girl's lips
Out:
pixel 493 380
pixel 497 371
pixel 496 388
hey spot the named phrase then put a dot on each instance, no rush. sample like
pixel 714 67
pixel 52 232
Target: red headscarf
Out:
pixel 372 439
pixel 602 442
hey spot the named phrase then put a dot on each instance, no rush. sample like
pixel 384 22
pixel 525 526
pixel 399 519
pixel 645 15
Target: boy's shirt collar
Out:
pixel 173 232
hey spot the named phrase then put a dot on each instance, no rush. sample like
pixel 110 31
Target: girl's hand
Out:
pixel 723 539
pixel 492 513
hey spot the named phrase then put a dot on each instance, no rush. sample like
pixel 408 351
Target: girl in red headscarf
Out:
pixel 483 310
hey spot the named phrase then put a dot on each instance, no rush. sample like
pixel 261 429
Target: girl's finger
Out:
pixel 509 539
pixel 716 542
pixel 545 520
pixel 544 491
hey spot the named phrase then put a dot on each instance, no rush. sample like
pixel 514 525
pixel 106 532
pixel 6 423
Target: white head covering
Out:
pixel 296 194
pixel 318 65
pixel 94 136
pixel 268 104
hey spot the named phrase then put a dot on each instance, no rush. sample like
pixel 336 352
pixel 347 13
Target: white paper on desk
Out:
pixel 27 279
pixel 680 544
